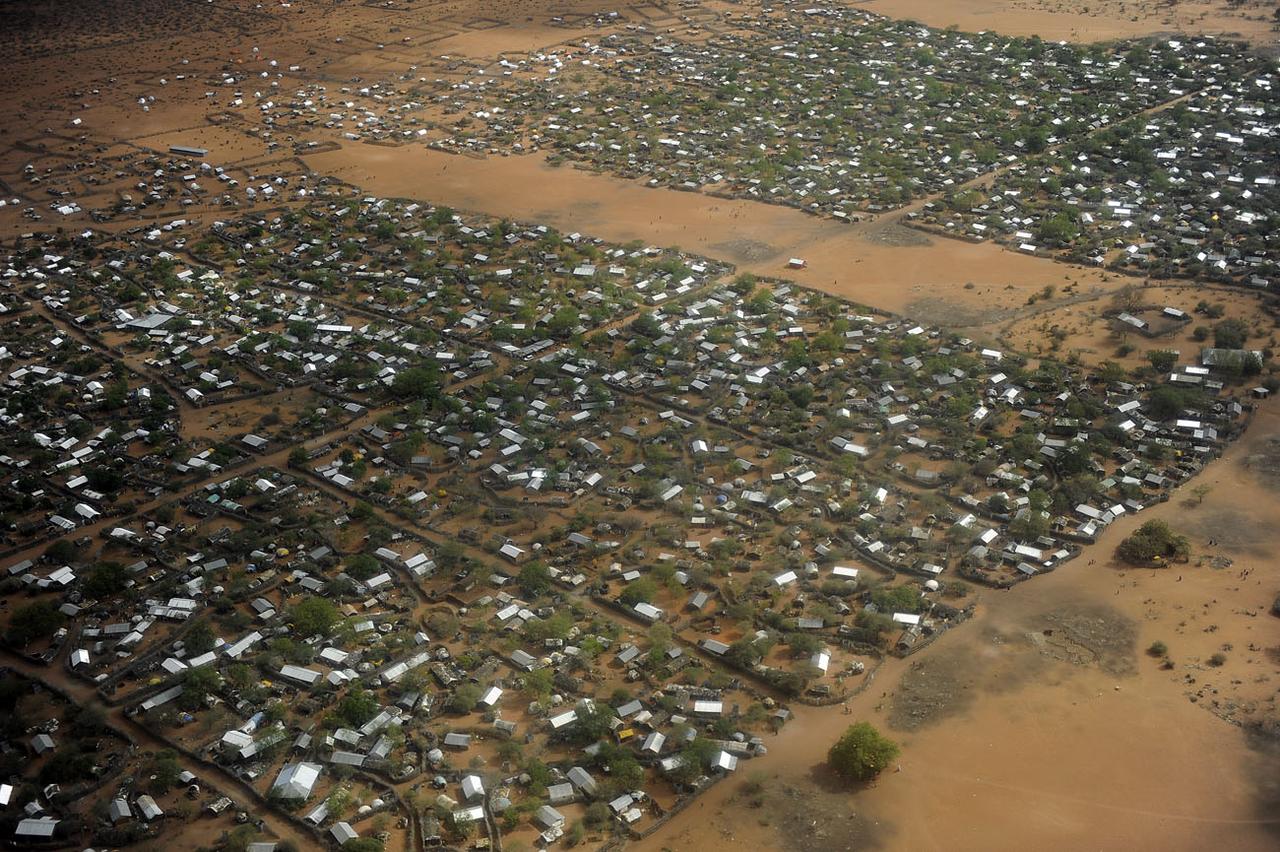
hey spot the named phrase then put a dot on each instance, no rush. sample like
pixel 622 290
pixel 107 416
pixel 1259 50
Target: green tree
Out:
pixel 465 698
pixel 198 683
pixel 418 383
pixel 1230 334
pixel 362 566
pixel 313 616
pixel 61 551
pixel 34 621
pixel 164 771
pixel 905 598
pixel 1058 230
pixel 593 724
pixel 1153 542
pixel 1162 359
pixel 199 638
pixel 862 752
pixel 358 706
pixel 107 579
pixel 534 579
pixel 639 591
pixel 1167 401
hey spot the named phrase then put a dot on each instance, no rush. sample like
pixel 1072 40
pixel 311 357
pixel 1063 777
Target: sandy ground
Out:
pixel 1088 20
pixel 877 263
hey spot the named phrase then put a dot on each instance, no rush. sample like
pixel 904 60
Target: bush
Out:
pixel 640 591
pixel 362 566
pixel 534 579
pixel 862 752
pixel 107 579
pixel 363 844
pixel 1217 659
pixel 900 599
pixel 597 815
pixel 358 707
pixel 1167 401
pixel 1162 359
pixel 465 698
pixel 313 616
pixel 34 621
pixel 1230 334
pixel 1153 542
pixel 1158 649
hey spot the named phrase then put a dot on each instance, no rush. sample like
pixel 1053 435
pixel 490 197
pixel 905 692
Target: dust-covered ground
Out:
pixel 1091 20
pixel 1264 463
pixel 943 685
pixel 800 815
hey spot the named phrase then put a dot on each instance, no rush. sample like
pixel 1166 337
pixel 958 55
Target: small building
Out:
pixel 472 787
pixel 561 794
pixel 119 810
pixel 296 780
pixel 549 818
pixel 582 779
pixel 342 832
pixel 648 612
pixel 40 828
pixel 148 808
pixel 456 740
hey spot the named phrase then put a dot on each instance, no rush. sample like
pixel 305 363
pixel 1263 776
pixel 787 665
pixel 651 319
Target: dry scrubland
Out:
pixel 1042 718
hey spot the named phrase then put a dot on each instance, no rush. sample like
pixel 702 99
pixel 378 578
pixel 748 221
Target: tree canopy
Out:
pixel 34 621
pixel 313 616
pixel 534 579
pixel 862 752
pixel 1153 542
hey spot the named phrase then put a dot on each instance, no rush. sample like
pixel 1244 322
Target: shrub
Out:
pixel 597 815
pixel 313 616
pixel 639 591
pixel 465 698
pixel 862 752
pixel 358 707
pixel 904 598
pixel 362 566
pixel 1230 334
pixel 534 579
pixel 1153 542
pixel 34 621
pixel 1158 649
pixel 1162 359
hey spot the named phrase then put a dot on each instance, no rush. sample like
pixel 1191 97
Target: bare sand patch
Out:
pixel 1264 462
pixel 1087 20
pixel 838 259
